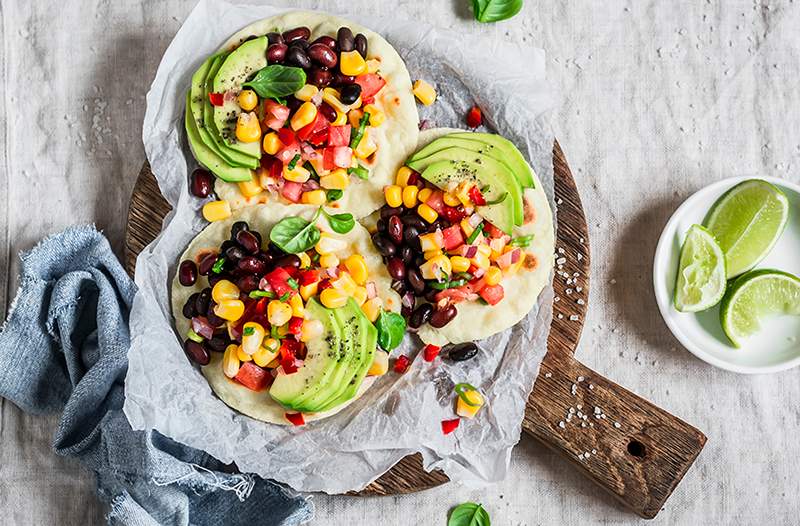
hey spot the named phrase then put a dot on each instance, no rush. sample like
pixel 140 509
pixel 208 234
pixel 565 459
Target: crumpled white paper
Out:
pixel 399 415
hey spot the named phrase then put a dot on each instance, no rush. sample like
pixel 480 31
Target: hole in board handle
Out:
pixel 637 449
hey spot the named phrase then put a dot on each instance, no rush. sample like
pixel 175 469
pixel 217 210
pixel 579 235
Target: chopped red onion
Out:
pixel 201 326
pixel 372 290
pixel 475 220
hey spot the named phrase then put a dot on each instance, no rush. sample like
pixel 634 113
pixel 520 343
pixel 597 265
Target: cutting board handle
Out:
pixel 625 444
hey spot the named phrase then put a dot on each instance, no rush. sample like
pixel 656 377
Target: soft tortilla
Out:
pixel 396 137
pixel 476 321
pixel 260 405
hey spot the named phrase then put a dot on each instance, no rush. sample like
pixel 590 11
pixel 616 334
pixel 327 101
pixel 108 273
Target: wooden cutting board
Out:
pixel 628 446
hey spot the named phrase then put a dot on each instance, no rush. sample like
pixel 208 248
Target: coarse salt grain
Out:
pixel 580 302
pixel 574 317
pixel 562 425
pixel 548 375
pixel 617 425
pixel 561 261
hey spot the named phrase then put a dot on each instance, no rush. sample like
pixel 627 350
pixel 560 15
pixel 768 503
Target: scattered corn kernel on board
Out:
pixel 628 446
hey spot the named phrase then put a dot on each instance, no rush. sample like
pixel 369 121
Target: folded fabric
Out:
pixel 64 348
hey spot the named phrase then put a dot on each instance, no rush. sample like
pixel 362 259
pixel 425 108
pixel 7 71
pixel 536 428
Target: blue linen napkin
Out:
pixel 64 348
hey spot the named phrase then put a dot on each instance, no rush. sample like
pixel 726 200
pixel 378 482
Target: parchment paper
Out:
pixel 399 415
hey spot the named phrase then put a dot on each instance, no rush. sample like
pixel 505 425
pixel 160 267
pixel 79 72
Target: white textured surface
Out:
pixel 658 99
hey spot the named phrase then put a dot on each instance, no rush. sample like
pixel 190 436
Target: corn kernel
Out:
pixel 481 260
pixel 304 116
pixel 403 175
pixel 309 291
pixel 230 310
pixel 466 410
pixel 267 352
pixel 216 210
pixel 493 276
pixel 243 356
pixel 450 200
pixel 373 65
pixel 306 93
pixel 431 241
pixel 424 92
pixel 305 260
pixel 311 329
pixel 345 283
pixel 351 63
pixel 314 197
pixel 333 298
pixel 380 364
pixel 341 118
pixel 357 267
pixel 376 115
pixel 429 254
pixel 336 180
pixel 224 290
pixel 515 266
pixel 427 213
pixel 329 244
pixel 354 117
pixel 230 362
pixel 462 193
pixel 252 335
pixel 247 100
pixel 247 127
pixel 459 264
pixel 318 164
pixel 438 267
pixel 394 195
pixel 424 194
pixel 372 308
pixel 298 309
pixel 466 227
pixel 298 174
pixel 497 245
pixel 333 98
pixel 366 146
pixel 250 188
pixel 329 261
pixel 271 143
pixel 410 196
pixel 486 250
pixel 278 313
pixel 360 295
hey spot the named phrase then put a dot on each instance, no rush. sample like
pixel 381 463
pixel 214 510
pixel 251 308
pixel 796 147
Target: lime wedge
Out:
pixel 701 272
pixel 755 296
pixel 747 222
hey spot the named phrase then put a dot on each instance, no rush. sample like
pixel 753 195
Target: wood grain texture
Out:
pixel 669 445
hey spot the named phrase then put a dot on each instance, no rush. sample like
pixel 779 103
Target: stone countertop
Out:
pixel 656 100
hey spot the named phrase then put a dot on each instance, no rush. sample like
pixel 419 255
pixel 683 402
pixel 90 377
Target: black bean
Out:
pixel 276 53
pixel 406 254
pixel 206 263
pixel 218 343
pixel 211 316
pixel 396 268
pixel 384 245
pixel 296 33
pixel 202 301
pixel 339 79
pixel 324 56
pixel 302 43
pixel 328 111
pixel 234 254
pixel 251 265
pixel 266 257
pixel 360 43
pixel 297 57
pixel 289 260
pixel 395 229
pixel 275 250
pixel 248 283
pixel 319 77
pixel 416 281
pixel 461 351
pixel 237 227
pixel 187 273
pixel 214 278
pixel 189 307
pixel 420 316
pixel 228 243
pixel 350 93
pixel 202 183
pixel 248 241
pixel 345 39
pixel 327 41
pixel 381 225
pixel 399 287
pixel 196 352
pixel 274 38
pixel 387 211
pixel 430 295
pixel 412 219
pixel 411 237
pixel 293 103
pixel 443 316
pixel 258 236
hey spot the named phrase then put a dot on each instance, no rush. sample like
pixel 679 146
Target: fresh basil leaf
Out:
pixel 249 331
pixel 498 200
pixel 334 195
pixel 359 133
pixel 359 172
pixel 218 264
pixel 391 328
pixel 340 223
pixel 294 234
pixel 521 241
pixel 469 514
pixel 293 162
pixel 276 81
pixel 495 10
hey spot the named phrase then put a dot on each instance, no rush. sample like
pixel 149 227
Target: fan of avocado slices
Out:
pixel 211 129
pixel 490 161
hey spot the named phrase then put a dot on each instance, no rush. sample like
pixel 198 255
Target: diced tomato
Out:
pixel 289 348
pixel 324 284
pixel 401 364
pixel 339 135
pixel 491 230
pixel 278 280
pixel 308 276
pixel 413 178
pixel 452 237
pixel 474 117
pixel 342 156
pixel 318 124
pixel 217 99
pixel 327 159
pixel 286 136
pixel 476 196
pixel 367 100
pixel 430 352
pixel 276 170
pixel 477 284
pixel 457 294
pixel 287 153
pixel 448 426
pixel 292 191
pixel 492 294
pixel 371 83
pixel 275 114
pixel 295 418
pixel 253 311
pixel 253 377
pixel 454 214
pixel 296 326
pixel 436 201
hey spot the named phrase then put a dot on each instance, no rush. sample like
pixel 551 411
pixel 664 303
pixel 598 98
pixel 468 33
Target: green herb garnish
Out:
pixel 276 81
pixel 498 200
pixel 521 241
pixel 218 264
pixel 495 10
pixel 359 171
pixel 359 133
pixel 310 167
pixel 452 284
pixel 292 283
pixel 285 296
pixel 249 331
pixel 391 328
pixel 293 162
pixel 194 336
pixel 273 333
pixel 461 391
pixel 262 294
pixel 469 514
pixel 334 195
pixel 294 234
pixel 475 233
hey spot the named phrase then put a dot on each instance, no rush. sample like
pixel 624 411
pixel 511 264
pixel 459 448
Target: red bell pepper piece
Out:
pixel 454 214
pixel 448 426
pixel 307 277
pixel 430 352
pixel 401 364
pixel 318 124
pixel 474 117
pixel 217 99
pixel 286 136
pixel 253 377
pixel 296 326
pixel 279 282
pixel 295 418
pixel 476 196
pixel 324 284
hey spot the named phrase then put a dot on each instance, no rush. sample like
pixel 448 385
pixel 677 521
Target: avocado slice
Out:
pixel 234 71
pixel 493 145
pixel 485 170
pixel 323 355
pixel 206 156
pixel 196 102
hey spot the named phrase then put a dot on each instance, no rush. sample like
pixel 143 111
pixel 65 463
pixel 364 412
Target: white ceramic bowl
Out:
pixel 777 346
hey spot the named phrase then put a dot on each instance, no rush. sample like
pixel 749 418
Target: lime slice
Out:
pixel 747 222
pixel 701 272
pixel 755 296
